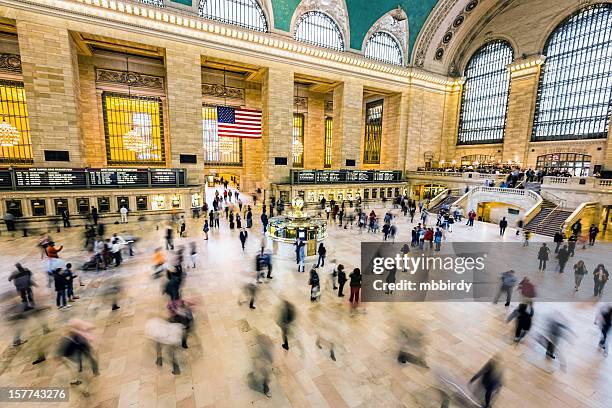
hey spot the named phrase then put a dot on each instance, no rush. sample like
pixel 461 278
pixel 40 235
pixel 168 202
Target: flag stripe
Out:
pixel 238 122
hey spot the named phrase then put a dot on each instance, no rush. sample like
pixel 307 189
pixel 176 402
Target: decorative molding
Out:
pixel 398 29
pixel 427 33
pixel 329 107
pixel 454 27
pixel 300 103
pixel 10 63
pixel 221 91
pixel 129 78
pixel 526 66
pixel 336 9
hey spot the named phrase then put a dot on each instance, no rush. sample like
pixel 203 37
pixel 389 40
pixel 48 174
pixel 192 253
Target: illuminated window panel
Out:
pixel 575 164
pixel 329 128
pixel 484 101
pixel 317 28
pixel 133 127
pixel 242 13
pixel 373 132
pixel 297 145
pixel 219 150
pixel 575 90
pixel 382 46
pixel 14 112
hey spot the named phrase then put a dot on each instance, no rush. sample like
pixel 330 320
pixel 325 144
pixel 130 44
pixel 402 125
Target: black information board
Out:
pixel 345 176
pixel 53 178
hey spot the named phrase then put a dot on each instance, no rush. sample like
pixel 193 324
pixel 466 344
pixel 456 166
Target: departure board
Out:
pixel 345 176
pixel 50 178
pixel 5 179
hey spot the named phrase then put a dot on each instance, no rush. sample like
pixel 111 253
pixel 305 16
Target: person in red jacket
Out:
pixel 429 236
pixel 52 250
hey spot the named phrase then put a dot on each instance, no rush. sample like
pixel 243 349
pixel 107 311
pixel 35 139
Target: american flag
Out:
pixel 233 122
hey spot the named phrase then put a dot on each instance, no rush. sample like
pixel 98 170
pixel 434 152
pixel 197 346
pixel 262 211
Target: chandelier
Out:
pixel 9 135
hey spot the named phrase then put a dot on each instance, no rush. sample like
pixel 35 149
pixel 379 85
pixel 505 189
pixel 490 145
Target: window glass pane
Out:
pixel 373 132
pixel 563 164
pixel 484 101
pixel 133 126
pixel 382 46
pixel 297 146
pixel 317 28
pixel 15 146
pixel 219 150
pixel 575 87
pixel 242 13
pixel 329 123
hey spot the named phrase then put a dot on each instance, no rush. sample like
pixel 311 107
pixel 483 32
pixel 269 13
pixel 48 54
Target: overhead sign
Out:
pixel 345 176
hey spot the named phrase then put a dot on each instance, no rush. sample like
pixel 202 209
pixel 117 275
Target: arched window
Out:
pixel 382 46
pixel 575 88
pixel 484 101
pixel 319 29
pixel 242 13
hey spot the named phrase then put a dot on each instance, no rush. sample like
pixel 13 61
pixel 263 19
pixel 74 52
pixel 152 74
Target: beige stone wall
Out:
pixel 91 115
pixel 348 115
pixel 52 87
pixel 252 149
pixel 395 131
pixel 184 99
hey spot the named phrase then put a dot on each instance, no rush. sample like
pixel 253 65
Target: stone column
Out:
pixel 525 76
pixel 395 130
pixel 314 137
pixel 348 112
pixel 277 124
pixel 51 81
pixel 91 114
pixel 184 93
pixel 252 149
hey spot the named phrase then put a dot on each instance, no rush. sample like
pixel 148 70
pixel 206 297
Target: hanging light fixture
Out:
pixel 9 135
pixel 132 140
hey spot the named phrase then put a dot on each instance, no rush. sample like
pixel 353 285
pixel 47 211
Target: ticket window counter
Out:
pixel 83 206
pixel 374 193
pixel 366 193
pixel 14 207
pixel 158 202
pixel 39 207
pixel 175 201
pixel 123 202
pixel 61 205
pixel 103 204
pixel 142 203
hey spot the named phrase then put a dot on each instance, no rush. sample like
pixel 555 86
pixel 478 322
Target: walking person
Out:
pixel 322 251
pixel 563 257
pixel 490 379
pixel 315 285
pixel 341 280
pixel 355 286
pixel 508 281
pixel 593 231
pixel 543 256
pixel 600 277
pixel 285 320
pixel 66 218
pixel 249 217
pixel 523 315
pixel 558 240
pixel 503 224
pixel 264 221
pixel 300 254
pixel 169 237
pixel 22 279
pixel 605 323
pixel 182 226
pixel 579 271
pixel 94 215
pixel 193 253
pixel 243 237
pixel 124 214
pixel 70 277
pixel 205 229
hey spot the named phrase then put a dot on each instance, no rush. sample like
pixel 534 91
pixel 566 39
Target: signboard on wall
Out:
pixel 345 176
pixel 54 178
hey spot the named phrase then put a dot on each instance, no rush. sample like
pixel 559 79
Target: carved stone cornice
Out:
pixel 222 91
pixel 300 103
pixel 10 63
pixel 428 31
pixel 329 106
pixel 129 78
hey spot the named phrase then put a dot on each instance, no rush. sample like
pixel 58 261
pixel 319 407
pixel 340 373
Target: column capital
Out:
pixel 530 65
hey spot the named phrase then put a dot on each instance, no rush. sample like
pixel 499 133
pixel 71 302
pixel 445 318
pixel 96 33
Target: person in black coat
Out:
pixel 94 215
pixel 523 315
pixel 60 288
pixel 563 257
pixel 315 285
pixel 249 217
pixel 490 379
pixel 243 237
pixel 503 224
pixel 322 251
pixel 264 221
pixel 543 256
pixel 341 280
pixel 558 239
pixel 22 279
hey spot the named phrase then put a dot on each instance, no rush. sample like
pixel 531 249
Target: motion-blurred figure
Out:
pixel 605 323
pixel 523 315
pixel 112 292
pixel 411 346
pixel 262 356
pixel 490 376
pixel 22 279
pixel 181 311
pixel 250 291
pixel 165 334
pixel 75 346
pixel 556 330
pixel 286 317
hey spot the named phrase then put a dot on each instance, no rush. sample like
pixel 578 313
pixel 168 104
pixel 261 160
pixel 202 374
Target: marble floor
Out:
pixel 459 337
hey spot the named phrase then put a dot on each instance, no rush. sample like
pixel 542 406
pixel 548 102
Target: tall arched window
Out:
pixel 382 46
pixel 317 28
pixel 484 101
pixel 242 13
pixel 575 91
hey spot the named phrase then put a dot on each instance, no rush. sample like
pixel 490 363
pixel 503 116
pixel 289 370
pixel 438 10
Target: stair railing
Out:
pixel 543 220
pixel 560 202
pixel 578 214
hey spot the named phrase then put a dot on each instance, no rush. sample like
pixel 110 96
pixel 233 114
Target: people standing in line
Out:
pixel 563 257
pixel 523 315
pixel 605 323
pixel 558 240
pixel 579 271
pixel 22 279
pixel 205 229
pixel 315 285
pixel 490 376
pixel 600 277
pixel 124 214
pixel 243 237
pixel 300 254
pixel 543 253
pixel 507 283
pixel 593 231
pixel 285 320
pixel 66 218
pixel 322 251
pixel 355 286
pixel 341 280
pixel 503 224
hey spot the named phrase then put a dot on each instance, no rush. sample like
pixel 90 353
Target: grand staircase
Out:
pixel 448 201
pixel 549 220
